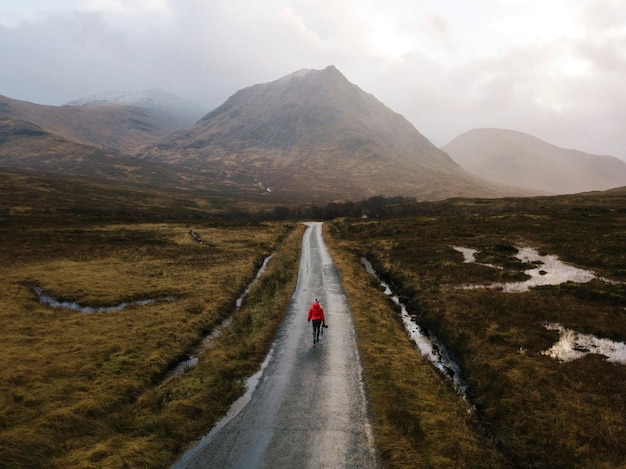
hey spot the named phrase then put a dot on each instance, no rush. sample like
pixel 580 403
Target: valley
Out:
pixel 87 390
pixel 130 237
pixel 83 378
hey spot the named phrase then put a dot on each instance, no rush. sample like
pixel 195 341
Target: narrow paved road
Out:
pixel 309 408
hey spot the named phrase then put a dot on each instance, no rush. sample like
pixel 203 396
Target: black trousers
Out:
pixel 317 324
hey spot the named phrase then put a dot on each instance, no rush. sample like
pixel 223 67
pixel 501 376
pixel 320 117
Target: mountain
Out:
pixel 115 122
pixel 511 157
pixel 174 112
pixel 313 135
pixel 24 145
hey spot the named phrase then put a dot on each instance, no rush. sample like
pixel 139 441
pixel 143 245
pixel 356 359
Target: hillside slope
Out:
pixel 106 122
pixel 26 146
pixel 315 135
pixel 511 157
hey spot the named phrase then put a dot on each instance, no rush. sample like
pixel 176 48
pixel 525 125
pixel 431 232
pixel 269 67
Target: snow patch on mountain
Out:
pixel 150 99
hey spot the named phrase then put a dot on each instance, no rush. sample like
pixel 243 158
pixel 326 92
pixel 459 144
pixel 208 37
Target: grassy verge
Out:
pixel 84 390
pixel 419 420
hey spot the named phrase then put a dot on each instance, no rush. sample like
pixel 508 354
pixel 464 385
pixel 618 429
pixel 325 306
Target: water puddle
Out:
pixel 217 331
pixel 55 303
pixel 196 237
pixel 469 256
pixel 546 270
pixel 549 270
pixel 574 345
pixel 428 345
pixel 182 367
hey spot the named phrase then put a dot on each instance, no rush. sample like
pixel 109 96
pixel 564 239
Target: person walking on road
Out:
pixel 316 314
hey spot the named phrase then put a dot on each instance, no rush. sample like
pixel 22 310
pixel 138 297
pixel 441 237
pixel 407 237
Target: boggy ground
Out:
pixel 540 413
pixel 87 390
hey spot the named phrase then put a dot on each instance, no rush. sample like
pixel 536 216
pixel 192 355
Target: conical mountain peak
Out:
pixel 329 71
pixel 305 109
pixel 317 125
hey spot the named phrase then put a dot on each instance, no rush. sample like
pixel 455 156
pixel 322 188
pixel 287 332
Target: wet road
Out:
pixel 308 409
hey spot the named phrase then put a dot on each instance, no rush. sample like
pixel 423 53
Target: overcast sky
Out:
pixel 555 69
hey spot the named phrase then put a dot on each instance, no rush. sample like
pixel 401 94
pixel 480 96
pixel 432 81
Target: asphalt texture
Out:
pixel 308 409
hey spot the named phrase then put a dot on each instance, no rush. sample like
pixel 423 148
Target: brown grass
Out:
pixel 87 391
pixel 541 413
pixel 82 390
pixel 419 420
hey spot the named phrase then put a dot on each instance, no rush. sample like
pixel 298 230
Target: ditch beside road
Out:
pixel 309 407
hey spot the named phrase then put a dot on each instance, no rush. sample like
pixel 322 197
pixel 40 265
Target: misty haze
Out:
pixel 186 186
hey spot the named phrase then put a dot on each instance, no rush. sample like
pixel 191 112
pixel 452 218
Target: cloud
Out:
pixel 545 67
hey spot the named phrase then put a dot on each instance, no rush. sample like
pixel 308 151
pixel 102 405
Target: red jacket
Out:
pixel 316 312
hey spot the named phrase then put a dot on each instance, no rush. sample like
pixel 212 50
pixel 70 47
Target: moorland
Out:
pixel 95 390
pixel 535 410
pixel 81 389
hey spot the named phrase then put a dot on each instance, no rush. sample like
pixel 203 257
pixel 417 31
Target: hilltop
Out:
pixel 511 157
pixel 313 135
pixel 112 122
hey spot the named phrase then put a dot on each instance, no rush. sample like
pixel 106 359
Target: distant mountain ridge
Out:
pixel 24 145
pixel 91 140
pixel 311 136
pixel 314 133
pixel 107 124
pixel 511 157
pixel 182 113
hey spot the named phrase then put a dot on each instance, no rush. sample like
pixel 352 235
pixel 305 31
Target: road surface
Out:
pixel 308 409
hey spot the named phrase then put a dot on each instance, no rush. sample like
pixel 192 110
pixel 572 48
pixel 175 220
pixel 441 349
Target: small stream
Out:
pixel 428 344
pixel 236 407
pixel 55 303
pixel 183 365
pixel 217 331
